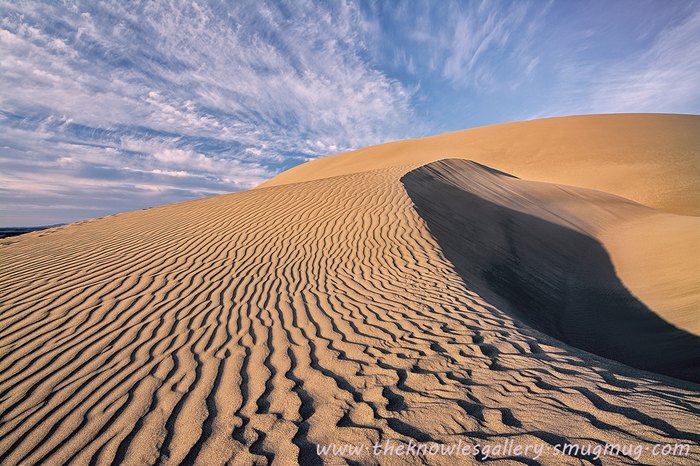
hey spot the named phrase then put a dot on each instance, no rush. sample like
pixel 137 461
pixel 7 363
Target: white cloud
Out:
pixel 664 77
pixel 195 69
pixel 225 92
pixel 456 41
pixel 659 77
pixel 205 97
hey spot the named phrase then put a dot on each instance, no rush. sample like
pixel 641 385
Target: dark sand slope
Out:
pixel 541 256
pixel 247 328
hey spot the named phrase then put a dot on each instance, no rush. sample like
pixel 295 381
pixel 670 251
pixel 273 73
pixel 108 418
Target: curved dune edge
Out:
pixel 653 159
pixel 537 249
pixel 658 260
pixel 250 327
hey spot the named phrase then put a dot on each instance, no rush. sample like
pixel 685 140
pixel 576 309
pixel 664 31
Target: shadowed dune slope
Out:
pixel 538 247
pixel 653 159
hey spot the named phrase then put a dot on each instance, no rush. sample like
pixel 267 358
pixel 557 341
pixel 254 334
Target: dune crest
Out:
pixel 249 328
pixel 653 159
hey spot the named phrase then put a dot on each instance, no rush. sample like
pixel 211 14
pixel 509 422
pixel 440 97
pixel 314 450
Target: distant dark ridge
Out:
pixel 6 232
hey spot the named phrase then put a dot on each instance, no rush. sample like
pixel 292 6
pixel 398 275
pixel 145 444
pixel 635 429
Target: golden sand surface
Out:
pixel 411 292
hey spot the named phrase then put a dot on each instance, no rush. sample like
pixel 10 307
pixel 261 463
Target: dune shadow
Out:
pixel 552 278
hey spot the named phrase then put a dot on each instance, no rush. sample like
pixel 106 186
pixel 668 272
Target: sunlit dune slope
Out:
pixel 653 159
pixel 413 302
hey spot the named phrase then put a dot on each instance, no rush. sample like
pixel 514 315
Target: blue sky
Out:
pixel 114 106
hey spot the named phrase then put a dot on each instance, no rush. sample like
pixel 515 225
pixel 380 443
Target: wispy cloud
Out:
pixel 111 106
pixel 662 78
pixel 232 93
pixel 457 41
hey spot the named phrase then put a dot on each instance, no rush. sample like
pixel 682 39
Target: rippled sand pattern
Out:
pixel 246 328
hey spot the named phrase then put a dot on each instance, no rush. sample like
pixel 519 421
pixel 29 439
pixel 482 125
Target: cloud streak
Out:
pixel 112 106
pixel 663 78
pixel 226 93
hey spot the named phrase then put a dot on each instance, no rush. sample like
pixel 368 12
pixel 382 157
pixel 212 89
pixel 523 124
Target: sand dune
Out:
pixel 545 254
pixel 649 158
pixel 248 328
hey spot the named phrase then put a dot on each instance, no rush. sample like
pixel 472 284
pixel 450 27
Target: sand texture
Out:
pixel 649 158
pixel 409 292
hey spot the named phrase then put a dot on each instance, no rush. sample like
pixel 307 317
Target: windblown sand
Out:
pixel 391 294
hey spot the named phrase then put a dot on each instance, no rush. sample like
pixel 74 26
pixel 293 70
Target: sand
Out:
pixel 649 158
pixel 398 297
